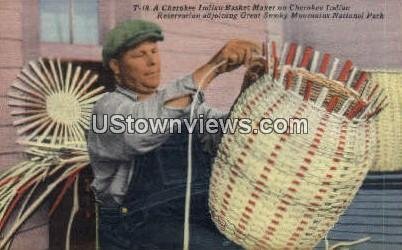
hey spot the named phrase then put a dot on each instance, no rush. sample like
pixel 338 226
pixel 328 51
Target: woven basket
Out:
pixel 389 125
pixel 285 191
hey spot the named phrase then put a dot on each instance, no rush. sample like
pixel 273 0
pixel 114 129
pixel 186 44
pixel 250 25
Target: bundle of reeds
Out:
pixel 51 102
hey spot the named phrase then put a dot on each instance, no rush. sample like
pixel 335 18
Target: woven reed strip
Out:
pixel 389 125
pixel 335 86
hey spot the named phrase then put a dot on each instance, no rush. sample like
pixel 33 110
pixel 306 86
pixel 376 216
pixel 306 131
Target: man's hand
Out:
pixel 234 54
pixel 255 70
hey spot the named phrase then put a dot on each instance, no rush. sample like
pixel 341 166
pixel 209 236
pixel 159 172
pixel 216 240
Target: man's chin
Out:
pixel 153 83
pixel 151 86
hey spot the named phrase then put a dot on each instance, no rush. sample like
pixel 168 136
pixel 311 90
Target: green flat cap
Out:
pixel 127 35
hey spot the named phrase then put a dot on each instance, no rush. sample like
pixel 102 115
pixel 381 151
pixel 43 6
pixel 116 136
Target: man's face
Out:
pixel 138 69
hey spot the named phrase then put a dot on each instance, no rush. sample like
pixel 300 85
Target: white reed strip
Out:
pixel 366 111
pixel 86 111
pixel 47 131
pixel 92 99
pixel 72 134
pixel 81 82
pixel 381 94
pixel 367 90
pixel 68 77
pixel 55 133
pixel 187 202
pixel 74 211
pixel 27 198
pixel 23 179
pixel 29 119
pixel 298 83
pixel 18 103
pixel 321 97
pixel 16 170
pixel 30 91
pixel 55 75
pixel 60 74
pixel 284 70
pixel 314 63
pixel 26 112
pixel 38 129
pixel 77 73
pixel 340 245
pixel 79 132
pixel 61 163
pixel 88 106
pixel 52 146
pixel 46 85
pixel 86 115
pixel 324 92
pixel 345 106
pixel 26 98
pixel 60 134
pixel 351 77
pixel 65 136
pixel 87 85
pixel 91 93
pixel 53 86
pixel 333 69
pixel 10 171
pixel 268 55
pixel 84 123
pixel 31 84
pixel 35 205
pixel 32 125
pixel 312 69
pixel 283 54
pixel 297 57
pixel 35 81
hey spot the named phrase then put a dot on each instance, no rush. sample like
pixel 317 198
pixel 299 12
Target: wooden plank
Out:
pixel 11 51
pixel 371 245
pixel 15 5
pixel 7 76
pixel 368 211
pixel 11 24
pixel 374 237
pixel 5 117
pixel 9 160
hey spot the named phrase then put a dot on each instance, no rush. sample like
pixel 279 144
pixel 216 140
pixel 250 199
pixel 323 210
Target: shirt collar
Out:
pixel 129 93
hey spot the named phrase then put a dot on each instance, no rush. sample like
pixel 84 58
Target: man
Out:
pixel 140 178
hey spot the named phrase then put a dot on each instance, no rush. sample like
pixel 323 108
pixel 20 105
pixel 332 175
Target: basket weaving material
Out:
pixel 285 191
pixel 389 125
pixel 52 102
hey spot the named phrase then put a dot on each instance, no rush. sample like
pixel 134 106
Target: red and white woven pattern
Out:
pixel 389 125
pixel 285 191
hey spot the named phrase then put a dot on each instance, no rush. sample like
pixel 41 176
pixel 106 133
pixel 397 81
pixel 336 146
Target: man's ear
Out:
pixel 114 66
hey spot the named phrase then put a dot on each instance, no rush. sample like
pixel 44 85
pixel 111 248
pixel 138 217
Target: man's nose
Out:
pixel 151 59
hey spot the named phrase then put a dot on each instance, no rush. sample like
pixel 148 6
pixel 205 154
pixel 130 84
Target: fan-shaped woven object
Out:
pixel 52 102
pixel 389 125
pixel 285 191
